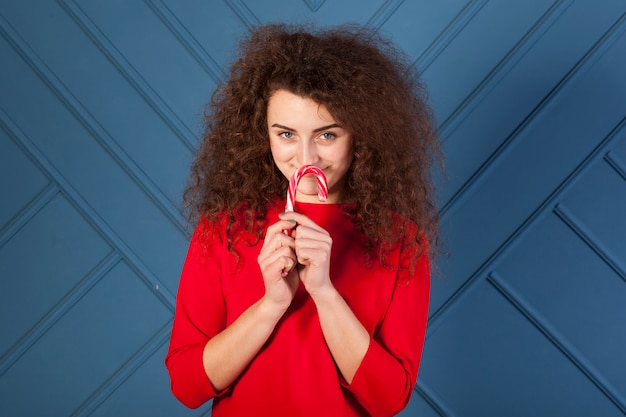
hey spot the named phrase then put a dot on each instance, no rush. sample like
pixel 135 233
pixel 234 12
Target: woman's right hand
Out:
pixel 227 354
pixel 277 261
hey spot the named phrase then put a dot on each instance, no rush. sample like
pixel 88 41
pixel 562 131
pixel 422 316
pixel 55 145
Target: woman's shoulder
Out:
pixel 230 222
pixel 209 228
pixel 410 237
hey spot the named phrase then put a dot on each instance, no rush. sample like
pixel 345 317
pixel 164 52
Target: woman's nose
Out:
pixel 307 153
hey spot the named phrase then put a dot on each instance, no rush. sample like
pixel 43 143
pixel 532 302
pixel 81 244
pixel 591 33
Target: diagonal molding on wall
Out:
pixel 383 14
pixel 580 68
pixel 502 68
pixel 107 142
pixel 617 163
pixel 558 340
pixel 59 310
pixel 40 201
pixel 435 401
pixel 450 32
pixel 588 236
pixel 127 369
pixel 92 217
pixel 546 207
pixel 314 5
pixel 482 90
pixel 187 39
pixel 119 61
pixel 243 12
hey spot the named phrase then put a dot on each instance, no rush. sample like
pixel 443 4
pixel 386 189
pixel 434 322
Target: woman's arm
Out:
pixel 204 357
pixel 345 336
pixel 227 354
pixel 380 369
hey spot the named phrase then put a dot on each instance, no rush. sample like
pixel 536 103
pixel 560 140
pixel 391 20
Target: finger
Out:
pixel 281 266
pixel 274 238
pixel 279 226
pixel 280 240
pixel 278 262
pixel 311 257
pixel 288 266
pixel 304 236
pixel 269 256
pixel 301 220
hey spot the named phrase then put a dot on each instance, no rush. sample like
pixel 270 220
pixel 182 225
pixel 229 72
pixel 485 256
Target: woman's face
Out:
pixel 303 132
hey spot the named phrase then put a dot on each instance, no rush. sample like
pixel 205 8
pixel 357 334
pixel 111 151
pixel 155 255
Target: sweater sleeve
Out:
pixel 384 382
pixel 200 314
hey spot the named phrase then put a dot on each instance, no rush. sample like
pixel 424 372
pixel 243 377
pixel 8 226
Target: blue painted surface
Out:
pixel 100 106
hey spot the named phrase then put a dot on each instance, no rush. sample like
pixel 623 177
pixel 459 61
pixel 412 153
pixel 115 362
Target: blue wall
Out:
pixel 99 119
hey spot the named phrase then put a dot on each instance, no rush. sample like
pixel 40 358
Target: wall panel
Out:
pixel 100 114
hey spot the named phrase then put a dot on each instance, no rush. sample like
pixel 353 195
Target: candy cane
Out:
pixel 322 187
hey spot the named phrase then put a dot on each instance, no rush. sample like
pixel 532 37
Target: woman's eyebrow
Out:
pixel 319 129
pixel 283 127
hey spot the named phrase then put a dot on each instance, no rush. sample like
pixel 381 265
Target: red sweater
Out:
pixel 294 373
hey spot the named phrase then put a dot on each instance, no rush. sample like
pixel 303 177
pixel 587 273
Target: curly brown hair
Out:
pixel 373 92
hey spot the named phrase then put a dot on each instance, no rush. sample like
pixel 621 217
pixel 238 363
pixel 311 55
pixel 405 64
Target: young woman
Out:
pixel 328 318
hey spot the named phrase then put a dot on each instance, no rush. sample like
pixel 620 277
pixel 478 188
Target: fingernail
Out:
pixel 281 214
pixel 292 221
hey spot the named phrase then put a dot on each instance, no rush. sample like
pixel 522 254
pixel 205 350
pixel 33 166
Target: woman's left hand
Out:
pixel 347 339
pixel 312 247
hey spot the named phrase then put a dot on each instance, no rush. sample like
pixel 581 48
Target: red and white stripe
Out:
pixel 322 187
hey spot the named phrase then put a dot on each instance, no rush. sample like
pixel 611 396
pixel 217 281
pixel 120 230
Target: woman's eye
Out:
pixel 327 136
pixel 286 135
